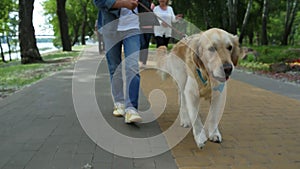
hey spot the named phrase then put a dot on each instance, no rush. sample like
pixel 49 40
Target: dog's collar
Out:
pixel 201 77
pixel 219 88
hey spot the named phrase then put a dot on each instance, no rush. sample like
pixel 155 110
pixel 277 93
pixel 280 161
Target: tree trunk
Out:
pixel 2 53
pixel 247 14
pixel 75 40
pixel 63 25
pixel 251 37
pixel 232 10
pixel 75 35
pixel 258 38
pixel 29 51
pixel 8 44
pixel 264 35
pixel 291 11
pixel 224 17
pixel 84 22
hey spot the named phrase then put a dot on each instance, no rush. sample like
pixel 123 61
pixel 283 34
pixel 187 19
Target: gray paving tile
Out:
pixel 21 158
pixel 102 156
pixel 100 165
pixel 69 148
pixel 165 161
pixel 122 163
pixel 33 144
pixel 144 163
pixel 40 159
pixel 80 160
pixel 86 147
pixel 12 166
pixel 61 160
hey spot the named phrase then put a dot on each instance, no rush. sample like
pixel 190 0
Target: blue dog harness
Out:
pixel 219 88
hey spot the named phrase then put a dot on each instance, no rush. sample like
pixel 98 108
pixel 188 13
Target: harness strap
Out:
pixel 201 77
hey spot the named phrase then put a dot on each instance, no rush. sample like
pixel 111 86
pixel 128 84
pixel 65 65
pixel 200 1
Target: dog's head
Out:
pixel 218 51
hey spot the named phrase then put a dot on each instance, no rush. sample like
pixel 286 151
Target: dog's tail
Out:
pixel 161 60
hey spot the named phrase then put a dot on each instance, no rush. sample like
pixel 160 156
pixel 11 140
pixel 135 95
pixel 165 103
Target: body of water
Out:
pixel 44 47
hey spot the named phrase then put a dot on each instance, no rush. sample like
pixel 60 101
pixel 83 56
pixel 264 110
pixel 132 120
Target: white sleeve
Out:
pixel 156 12
pixel 173 17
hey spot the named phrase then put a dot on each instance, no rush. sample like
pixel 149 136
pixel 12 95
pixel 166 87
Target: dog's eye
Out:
pixel 212 49
pixel 229 48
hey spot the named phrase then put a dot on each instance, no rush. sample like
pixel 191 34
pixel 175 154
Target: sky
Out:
pixel 39 20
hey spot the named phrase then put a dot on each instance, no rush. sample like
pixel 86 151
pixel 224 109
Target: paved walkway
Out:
pixel 39 127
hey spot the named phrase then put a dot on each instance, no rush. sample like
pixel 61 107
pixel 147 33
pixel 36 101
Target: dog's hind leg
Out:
pixel 193 105
pixel 183 114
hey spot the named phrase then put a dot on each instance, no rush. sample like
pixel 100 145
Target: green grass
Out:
pixel 60 55
pixel 153 46
pixel 19 75
pixel 14 75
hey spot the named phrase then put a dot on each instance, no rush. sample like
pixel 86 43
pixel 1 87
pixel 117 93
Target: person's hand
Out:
pixel 179 16
pixel 129 4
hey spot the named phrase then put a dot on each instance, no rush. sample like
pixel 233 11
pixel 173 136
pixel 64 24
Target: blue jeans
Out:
pixel 131 44
pixel 145 39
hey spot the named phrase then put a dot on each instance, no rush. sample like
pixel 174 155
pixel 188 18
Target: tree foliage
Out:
pixel 230 15
pixel 81 19
pixel 8 22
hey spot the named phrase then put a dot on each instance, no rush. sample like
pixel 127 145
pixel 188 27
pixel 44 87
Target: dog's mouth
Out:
pixel 220 79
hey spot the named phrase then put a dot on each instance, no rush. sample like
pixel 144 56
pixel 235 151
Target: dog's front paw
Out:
pixel 185 123
pixel 216 137
pixel 201 139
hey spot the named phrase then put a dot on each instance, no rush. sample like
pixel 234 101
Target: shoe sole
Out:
pixel 118 115
pixel 134 120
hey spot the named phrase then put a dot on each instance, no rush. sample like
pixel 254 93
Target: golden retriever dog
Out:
pixel 201 65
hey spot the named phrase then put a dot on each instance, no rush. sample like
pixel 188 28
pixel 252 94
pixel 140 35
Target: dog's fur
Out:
pixel 208 52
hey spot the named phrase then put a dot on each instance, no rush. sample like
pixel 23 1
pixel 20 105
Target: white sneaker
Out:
pixel 132 116
pixel 119 110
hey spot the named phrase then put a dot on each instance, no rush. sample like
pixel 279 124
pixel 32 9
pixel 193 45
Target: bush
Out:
pixel 290 54
pixel 250 58
pixel 254 65
pixel 276 54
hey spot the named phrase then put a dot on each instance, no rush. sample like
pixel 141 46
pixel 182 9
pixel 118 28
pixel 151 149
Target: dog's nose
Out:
pixel 227 69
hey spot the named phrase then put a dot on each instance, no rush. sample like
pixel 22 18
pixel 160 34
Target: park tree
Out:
pixel 233 13
pixel 253 28
pixel 27 40
pixel 291 12
pixel 8 10
pixel 63 24
pixel 84 4
pixel 265 14
pixel 245 21
pixel 80 24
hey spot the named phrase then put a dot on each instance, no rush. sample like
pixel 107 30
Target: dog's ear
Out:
pixel 196 49
pixel 237 51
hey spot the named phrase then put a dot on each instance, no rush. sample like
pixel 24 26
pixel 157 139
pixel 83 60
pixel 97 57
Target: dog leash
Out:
pixel 170 26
